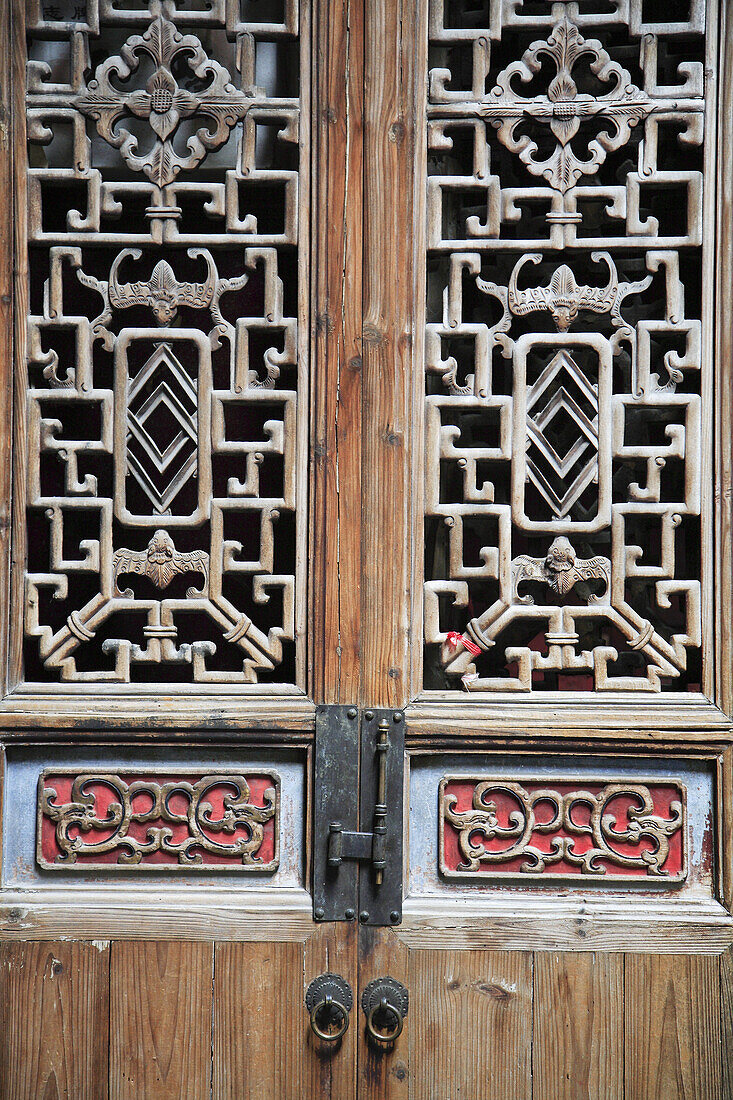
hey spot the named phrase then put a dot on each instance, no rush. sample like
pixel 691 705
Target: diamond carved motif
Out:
pixel 546 469
pixel 155 445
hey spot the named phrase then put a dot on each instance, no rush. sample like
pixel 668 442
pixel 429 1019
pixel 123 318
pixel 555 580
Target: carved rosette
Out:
pixel 93 820
pixel 563 107
pixel 624 831
pixel 162 102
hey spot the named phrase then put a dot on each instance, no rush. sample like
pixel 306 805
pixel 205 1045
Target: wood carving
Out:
pixel 162 101
pixel 161 562
pixel 562 108
pixel 561 570
pixel 94 820
pixel 564 438
pixel 562 297
pixel 623 831
pixel 164 427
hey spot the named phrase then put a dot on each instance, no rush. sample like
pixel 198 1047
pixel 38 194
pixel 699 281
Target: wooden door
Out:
pixel 168 608
pixel 369 356
pixel 566 921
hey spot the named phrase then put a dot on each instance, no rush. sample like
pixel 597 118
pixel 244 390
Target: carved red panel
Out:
pixel 170 821
pixel 604 830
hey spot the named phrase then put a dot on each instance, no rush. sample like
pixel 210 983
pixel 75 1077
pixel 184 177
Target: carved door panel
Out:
pixel 164 592
pixel 366 556
pixel 567 889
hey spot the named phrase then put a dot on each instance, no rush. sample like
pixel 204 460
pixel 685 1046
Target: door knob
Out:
pixel 385 1002
pixel 329 1001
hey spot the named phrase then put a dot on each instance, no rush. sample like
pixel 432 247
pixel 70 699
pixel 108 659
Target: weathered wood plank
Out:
pixel 577 1048
pixel 723 356
pixel 337 376
pixel 391 36
pixel 7 200
pixel 258 1045
pixel 160 1021
pixel 208 914
pixel 471 1031
pixel 567 925
pixel 331 1069
pixel 15 369
pixel 726 1022
pixel 671 1018
pixel 384 1073
pixel 54 1015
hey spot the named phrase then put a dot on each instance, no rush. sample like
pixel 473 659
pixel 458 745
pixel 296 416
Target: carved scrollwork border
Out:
pixel 479 864
pixel 156 817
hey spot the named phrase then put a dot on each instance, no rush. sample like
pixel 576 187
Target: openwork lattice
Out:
pixel 165 450
pixel 564 351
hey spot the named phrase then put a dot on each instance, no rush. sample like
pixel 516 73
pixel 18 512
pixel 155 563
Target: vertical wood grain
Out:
pixel 578 1041
pixel 471 1033
pixel 331 1068
pixel 723 359
pixel 54 1004
pixel 160 1020
pixel 6 314
pixel 389 298
pixel 258 1020
pixel 384 1073
pixel 672 1032
pixel 14 371
pixel 335 536
pixel 726 1022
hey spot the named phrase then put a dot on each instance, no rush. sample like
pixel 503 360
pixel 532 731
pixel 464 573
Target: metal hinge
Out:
pixel 359 761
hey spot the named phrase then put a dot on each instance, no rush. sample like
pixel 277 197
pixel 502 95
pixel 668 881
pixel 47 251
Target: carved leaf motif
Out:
pixel 140 820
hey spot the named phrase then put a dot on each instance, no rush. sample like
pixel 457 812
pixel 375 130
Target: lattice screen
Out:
pixel 165 436
pixel 568 368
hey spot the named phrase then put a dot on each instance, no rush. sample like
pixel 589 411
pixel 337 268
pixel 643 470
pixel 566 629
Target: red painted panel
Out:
pixel 577 829
pixel 169 820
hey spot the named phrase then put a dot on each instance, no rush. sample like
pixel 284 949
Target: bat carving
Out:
pixel 160 562
pixel 560 570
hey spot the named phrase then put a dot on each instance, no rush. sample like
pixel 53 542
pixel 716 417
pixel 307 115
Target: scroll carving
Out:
pixel 610 831
pixel 566 377
pixel 165 442
pixel 124 822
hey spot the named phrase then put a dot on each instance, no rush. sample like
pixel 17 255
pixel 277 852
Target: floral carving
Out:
pixel 160 562
pixel 608 830
pixel 144 818
pixel 561 570
pixel 163 102
pixel 563 108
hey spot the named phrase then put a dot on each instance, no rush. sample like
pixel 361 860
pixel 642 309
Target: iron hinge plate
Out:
pixel 358 804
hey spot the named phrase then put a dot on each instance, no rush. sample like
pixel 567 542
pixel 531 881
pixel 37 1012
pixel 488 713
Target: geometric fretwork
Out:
pixel 165 439
pixel 565 355
pixel 162 456
pixel 553 412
